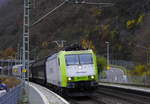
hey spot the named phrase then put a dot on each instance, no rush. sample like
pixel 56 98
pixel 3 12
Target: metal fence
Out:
pixel 139 80
pixel 135 80
pixel 126 79
pixel 12 96
pixel 118 76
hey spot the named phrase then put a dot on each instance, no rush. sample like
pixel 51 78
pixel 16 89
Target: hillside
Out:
pixel 10 23
pixel 88 25
pixel 3 2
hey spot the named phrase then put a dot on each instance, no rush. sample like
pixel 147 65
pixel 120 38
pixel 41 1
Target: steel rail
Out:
pixel 133 96
pixel 86 99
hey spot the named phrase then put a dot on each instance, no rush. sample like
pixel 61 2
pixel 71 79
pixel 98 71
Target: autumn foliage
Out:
pixel 87 44
pixel 10 81
pixel 8 53
pixel 141 70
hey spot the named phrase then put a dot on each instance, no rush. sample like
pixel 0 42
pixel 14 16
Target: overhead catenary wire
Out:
pixel 68 1
pixel 94 3
pixel 40 19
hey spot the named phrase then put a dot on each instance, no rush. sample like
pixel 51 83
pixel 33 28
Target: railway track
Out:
pixel 130 96
pixel 97 98
pixel 112 95
pixel 85 100
pixel 109 95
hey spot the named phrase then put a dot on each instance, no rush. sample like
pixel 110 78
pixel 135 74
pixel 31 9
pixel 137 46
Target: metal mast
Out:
pixel 108 67
pixel 25 58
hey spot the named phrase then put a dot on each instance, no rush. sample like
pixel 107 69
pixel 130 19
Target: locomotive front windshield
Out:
pixel 79 59
pixel 72 59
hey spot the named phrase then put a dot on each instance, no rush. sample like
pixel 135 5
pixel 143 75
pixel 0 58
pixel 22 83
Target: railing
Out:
pixel 139 80
pixel 135 80
pixel 123 76
pixel 12 96
pixel 126 64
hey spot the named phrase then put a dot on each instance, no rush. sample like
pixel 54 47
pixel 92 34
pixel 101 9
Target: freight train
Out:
pixel 69 72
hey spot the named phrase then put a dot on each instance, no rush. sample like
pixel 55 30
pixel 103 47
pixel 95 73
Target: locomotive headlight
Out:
pixel 80 67
pixel 69 78
pixel 92 77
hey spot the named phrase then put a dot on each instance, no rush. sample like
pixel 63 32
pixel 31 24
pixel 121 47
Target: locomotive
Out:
pixel 71 72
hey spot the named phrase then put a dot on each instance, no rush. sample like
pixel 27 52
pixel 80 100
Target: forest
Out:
pixel 125 25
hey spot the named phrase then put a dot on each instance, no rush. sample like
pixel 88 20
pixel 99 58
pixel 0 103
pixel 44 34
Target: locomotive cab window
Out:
pixel 72 60
pixel 79 59
pixel 85 59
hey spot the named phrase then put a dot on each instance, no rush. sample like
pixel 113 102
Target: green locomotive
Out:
pixel 69 71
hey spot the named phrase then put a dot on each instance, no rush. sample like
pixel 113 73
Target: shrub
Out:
pixel 139 70
pixel 101 63
pixel 10 81
pixel 140 19
pixel 130 24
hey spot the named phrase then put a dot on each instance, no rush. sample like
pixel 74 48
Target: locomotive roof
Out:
pixel 50 57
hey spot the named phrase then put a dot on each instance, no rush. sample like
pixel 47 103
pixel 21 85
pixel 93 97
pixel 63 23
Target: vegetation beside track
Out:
pixel 10 81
